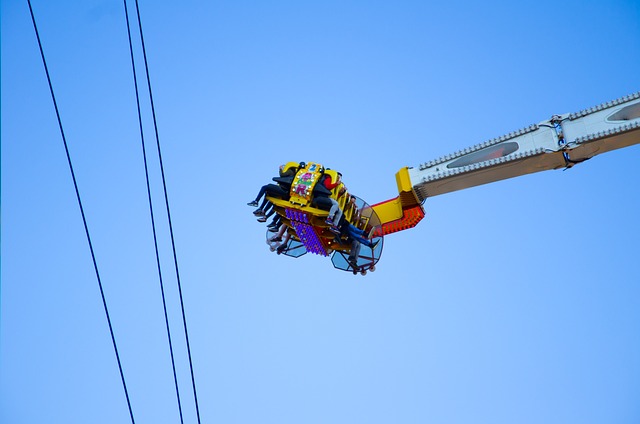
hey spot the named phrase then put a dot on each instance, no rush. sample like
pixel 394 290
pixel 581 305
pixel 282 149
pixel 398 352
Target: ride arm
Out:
pixel 560 142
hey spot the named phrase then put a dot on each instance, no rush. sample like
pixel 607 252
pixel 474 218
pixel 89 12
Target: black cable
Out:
pixel 153 223
pixel 166 199
pixel 84 220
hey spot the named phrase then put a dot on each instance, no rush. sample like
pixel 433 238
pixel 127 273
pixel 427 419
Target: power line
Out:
pixel 84 220
pixel 166 199
pixel 153 223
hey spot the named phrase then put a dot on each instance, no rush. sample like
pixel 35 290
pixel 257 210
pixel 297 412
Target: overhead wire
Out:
pixel 153 223
pixel 84 219
pixel 166 199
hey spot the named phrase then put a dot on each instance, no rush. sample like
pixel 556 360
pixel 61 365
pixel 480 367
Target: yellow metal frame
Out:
pixel 402 212
pixel 304 182
pixel 397 214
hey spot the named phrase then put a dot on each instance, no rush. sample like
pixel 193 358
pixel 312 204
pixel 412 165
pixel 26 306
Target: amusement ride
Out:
pixel 306 194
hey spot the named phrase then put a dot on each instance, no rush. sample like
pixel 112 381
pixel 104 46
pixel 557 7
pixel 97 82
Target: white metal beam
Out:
pixel 559 142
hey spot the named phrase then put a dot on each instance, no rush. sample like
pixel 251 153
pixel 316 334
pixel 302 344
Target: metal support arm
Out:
pixel 560 142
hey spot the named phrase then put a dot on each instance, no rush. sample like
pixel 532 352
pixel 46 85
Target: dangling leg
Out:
pixel 354 253
pixel 335 209
pixel 285 242
pixel 261 193
pixel 278 236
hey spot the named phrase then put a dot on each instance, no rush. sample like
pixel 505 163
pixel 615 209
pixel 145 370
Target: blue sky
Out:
pixel 517 301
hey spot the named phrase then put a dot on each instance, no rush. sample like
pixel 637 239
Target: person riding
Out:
pixel 280 190
pixel 338 189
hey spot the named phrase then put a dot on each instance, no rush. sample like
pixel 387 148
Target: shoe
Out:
pixel 274 239
pixel 253 203
pixel 373 246
pixel 262 219
pixel 273 224
pixel 335 230
pixel 281 249
pixel 273 229
pixel 258 212
pixel 329 221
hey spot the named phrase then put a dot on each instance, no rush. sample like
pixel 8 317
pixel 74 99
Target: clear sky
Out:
pixel 514 302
